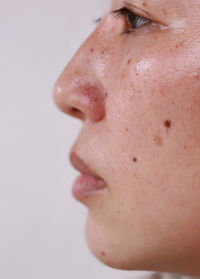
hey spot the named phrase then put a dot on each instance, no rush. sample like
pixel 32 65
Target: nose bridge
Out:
pixel 79 90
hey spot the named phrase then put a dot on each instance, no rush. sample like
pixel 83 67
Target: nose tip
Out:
pixel 62 103
pixel 80 97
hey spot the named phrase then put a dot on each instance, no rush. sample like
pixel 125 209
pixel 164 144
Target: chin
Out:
pixel 107 249
pixel 110 248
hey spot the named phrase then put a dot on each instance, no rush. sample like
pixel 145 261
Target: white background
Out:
pixel 41 225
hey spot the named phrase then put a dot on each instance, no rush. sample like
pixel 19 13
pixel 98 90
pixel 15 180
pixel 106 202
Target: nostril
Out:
pixel 74 110
pixel 77 113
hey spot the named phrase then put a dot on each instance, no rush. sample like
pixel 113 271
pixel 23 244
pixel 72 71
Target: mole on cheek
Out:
pixel 144 4
pixel 103 253
pixel 129 61
pixel 91 50
pixel 134 159
pixel 167 123
pixel 180 44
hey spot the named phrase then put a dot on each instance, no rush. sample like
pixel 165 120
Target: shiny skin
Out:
pixel 138 96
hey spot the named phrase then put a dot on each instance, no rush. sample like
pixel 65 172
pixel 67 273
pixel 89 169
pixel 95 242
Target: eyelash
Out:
pixel 126 14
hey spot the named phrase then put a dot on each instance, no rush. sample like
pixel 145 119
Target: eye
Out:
pixel 132 20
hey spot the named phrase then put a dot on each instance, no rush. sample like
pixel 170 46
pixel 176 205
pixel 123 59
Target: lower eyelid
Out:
pixel 153 25
pixel 162 27
pixel 150 27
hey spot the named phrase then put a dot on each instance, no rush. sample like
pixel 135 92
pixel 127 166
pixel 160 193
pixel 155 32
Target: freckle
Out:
pixel 195 75
pixel 128 62
pixel 103 253
pixel 123 76
pixel 167 123
pixel 144 4
pixel 118 211
pixel 91 50
pixel 134 159
pixel 155 37
pixel 180 44
pixel 102 52
pixel 165 12
pixel 137 74
pixel 126 129
pixel 88 61
pixel 158 141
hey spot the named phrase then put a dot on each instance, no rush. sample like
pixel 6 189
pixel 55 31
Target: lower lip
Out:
pixel 86 185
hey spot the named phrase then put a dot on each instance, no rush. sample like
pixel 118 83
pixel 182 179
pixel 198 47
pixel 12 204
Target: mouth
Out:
pixel 88 183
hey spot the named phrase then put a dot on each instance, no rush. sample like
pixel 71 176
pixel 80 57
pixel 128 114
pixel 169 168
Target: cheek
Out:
pixel 154 118
pixel 163 87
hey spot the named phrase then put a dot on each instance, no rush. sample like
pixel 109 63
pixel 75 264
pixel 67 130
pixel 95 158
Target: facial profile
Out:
pixel 135 85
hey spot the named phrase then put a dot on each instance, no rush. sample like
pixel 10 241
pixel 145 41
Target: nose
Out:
pixel 79 90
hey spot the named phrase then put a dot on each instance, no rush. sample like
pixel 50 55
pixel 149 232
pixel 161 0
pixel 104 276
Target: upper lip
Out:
pixel 79 165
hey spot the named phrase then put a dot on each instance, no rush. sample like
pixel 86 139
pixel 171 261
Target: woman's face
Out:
pixel 138 95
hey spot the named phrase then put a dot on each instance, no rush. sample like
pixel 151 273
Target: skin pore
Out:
pixel 138 95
